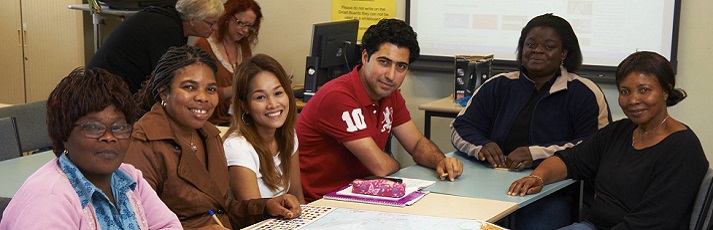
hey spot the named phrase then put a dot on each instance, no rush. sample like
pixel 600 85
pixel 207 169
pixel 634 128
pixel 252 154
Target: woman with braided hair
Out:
pixel 181 154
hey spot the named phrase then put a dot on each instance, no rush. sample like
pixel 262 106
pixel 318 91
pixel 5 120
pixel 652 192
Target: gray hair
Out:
pixel 199 9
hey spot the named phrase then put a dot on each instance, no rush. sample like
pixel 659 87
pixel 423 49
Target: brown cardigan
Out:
pixel 187 187
pixel 224 78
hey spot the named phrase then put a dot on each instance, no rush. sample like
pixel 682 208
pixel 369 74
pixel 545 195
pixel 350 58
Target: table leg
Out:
pixel 577 197
pixel 427 124
pixel 96 21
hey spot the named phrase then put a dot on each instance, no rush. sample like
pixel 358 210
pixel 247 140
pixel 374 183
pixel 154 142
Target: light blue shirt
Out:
pixel 109 216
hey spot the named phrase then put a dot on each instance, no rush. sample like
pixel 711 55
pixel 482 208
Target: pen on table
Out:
pixel 212 214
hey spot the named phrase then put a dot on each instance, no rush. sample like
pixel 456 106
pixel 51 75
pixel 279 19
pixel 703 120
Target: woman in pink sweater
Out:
pixel 89 117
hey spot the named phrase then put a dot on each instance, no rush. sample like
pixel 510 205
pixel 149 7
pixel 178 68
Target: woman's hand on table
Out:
pixel 286 206
pixel 519 159
pixel 527 185
pixel 493 154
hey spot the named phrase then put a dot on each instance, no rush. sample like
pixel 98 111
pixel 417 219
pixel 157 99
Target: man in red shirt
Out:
pixel 344 128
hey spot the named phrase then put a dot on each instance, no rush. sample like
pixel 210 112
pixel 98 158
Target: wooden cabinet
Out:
pixel 40 43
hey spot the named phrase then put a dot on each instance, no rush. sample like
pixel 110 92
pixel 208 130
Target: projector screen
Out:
pixel 608 30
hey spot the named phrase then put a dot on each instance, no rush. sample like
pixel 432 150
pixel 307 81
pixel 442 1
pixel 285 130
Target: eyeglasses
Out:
pixel 244 24
pixel 96 130
pixel 211 24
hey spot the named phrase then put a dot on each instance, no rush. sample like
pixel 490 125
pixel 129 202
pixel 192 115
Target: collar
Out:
pixel 85 189
pixel 559 81
pixel 359 88
pixel 154 126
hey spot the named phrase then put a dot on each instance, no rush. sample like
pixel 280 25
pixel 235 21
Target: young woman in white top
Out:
pixel 261 145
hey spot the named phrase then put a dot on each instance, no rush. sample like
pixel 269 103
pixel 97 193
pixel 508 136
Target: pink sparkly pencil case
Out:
pixel 379 187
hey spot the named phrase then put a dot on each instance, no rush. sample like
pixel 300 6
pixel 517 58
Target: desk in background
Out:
pixel 444 107
pixel 300 104
pixel 14 172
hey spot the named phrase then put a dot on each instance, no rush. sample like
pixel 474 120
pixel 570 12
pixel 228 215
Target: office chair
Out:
pixel 31 123
pixel 4 201
pixel 9 142
pixel 701 213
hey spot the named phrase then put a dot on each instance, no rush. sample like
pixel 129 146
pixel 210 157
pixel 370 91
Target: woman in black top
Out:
pixel 647 168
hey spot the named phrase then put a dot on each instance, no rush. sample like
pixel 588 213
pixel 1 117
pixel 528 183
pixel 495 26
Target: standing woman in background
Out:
pixel 261 144
pixel 134 47
pixel 237 35
pixel 181 154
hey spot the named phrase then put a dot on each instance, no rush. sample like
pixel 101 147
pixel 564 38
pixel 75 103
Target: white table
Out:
pixel 14 172
pixel 480 181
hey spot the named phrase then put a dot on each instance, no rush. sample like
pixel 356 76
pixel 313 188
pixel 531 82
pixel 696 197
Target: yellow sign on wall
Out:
pixel 369 12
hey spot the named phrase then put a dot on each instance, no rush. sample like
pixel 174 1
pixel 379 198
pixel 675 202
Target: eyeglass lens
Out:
pixel 243 24
pixel 96 130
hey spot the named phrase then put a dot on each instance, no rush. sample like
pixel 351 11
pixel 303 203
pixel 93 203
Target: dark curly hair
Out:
pixel 173 60
pixel 652 63
pixel 394 31
pixel 233 7
pixel 573 60
pixel 82 92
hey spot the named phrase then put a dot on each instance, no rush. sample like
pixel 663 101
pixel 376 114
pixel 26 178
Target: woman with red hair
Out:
pixel 237 35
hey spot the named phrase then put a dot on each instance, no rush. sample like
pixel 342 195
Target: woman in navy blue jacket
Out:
pixel 516 119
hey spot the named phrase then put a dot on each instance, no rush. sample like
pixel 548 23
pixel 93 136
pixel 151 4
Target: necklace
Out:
pixel 647 132
pixel 227 53
pixel 193 147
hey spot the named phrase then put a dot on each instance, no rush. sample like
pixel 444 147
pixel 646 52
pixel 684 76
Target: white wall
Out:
pixel 286 34
pixel 695 53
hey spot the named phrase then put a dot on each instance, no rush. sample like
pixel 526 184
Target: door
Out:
pixel 54 44
pixel 12 89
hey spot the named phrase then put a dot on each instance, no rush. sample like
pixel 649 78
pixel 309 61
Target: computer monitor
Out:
pixel 333 53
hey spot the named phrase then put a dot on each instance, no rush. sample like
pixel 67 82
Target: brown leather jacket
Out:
pixel 187 187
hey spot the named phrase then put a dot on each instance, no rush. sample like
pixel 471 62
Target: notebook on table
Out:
pixel 413 194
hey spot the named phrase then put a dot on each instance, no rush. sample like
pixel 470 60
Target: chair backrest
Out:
pixel 4 201
pixel 9 142
pixel 702 211
pixel 31 122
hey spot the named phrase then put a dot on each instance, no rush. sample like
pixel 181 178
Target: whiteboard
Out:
pixel 608 30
